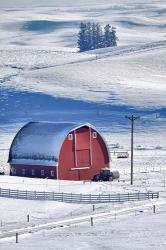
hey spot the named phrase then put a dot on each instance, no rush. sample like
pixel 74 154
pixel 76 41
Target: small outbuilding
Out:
pixel 65 151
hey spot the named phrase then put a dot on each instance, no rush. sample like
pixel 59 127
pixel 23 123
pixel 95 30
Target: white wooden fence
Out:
pixel 77 198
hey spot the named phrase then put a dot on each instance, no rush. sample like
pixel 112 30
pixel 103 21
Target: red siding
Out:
pixel 69 163
pixel 36 168
pixel 83 158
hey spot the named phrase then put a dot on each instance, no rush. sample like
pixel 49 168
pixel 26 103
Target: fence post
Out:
pixel 154 209
pixel 16 237
pixel 91 221
pixel 27 217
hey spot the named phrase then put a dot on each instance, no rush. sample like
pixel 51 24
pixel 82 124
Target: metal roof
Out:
pixel 39 143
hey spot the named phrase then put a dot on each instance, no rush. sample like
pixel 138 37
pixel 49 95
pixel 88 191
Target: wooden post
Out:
pixel 27 217
pixel 91 221
pixel 132 118
pixel 16 237
pixel 154 209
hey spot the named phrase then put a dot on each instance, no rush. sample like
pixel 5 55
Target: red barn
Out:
pixel 65 151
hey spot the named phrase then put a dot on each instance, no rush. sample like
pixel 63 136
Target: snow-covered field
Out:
pixel 42 77
pixel 130 225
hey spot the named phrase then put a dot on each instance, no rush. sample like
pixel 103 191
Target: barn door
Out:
pixel 82 148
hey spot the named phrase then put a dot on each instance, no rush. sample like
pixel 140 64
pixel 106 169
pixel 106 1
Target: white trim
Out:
pixel 70 136
pixel 80 168
pixel 75 151
pixel 94 134
pixel 34 162
pixel 42 172
pixel 52 173
pixel 90 138
pixel 109 156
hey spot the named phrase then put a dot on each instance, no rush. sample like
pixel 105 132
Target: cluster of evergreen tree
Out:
pixel 93 36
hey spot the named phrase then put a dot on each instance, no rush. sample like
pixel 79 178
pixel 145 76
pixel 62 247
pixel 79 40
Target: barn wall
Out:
pixel 29 168
pixel 94 153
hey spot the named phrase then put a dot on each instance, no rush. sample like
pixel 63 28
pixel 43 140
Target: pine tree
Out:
pixel 91 36
pixel 114 37
pixel 82 38
pixel 99 35
pixel 108 35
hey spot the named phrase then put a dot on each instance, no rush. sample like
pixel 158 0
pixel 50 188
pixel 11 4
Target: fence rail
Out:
pixel 77 198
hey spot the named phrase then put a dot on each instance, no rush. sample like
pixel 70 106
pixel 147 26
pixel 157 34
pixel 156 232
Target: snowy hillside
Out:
pixel 42 77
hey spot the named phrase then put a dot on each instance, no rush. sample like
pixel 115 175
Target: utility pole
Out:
pixel 132 118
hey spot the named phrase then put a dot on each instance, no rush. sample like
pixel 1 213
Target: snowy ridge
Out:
pixel 129 50
pixel 116 87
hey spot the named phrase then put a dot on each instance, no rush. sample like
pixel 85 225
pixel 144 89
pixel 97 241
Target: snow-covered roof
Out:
pixel 39 143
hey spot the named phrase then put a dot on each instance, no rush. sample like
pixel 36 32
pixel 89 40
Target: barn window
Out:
pixel 42 172
pixel 94 135
pixel 33 172
pixel 52 172
pixel 70 137
pixel 14 171
pixel 23 171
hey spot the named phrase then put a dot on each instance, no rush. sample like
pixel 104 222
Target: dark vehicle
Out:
pixel 2 172
pixel 106 175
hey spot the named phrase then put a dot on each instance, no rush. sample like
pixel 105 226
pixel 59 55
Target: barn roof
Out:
pixel 39 143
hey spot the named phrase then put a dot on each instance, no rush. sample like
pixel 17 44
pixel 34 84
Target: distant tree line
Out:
pixel 93 36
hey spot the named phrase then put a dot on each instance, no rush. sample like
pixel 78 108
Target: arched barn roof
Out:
pixel 39 143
